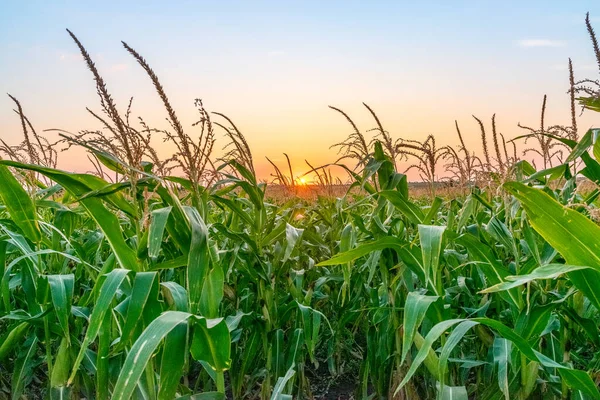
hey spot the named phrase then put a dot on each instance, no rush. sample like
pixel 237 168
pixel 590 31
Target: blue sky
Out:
pixel 274 66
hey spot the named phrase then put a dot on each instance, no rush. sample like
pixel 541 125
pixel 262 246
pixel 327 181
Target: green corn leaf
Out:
pixel 582 146
pixel 311 322
pixel 23 367
pixel 198 258
pixel 175 295
pixel 575 379
pixel 280 386
pixel 212 293
pixel 157 229
pixel 494 271
pixel 295 349
pixel 78 185
pixel 387 242
pixel 431 337
pixel 11 339
pixel 548 271
pixel 569 232
pixel 211 343
pixel 453 393
pixel 61 291
pixel 235 208
pixel 19 205
pixel 278 353
pixel 431 245
pixel 499 231
pixel 414 312
pixel 433 210
pixel 293 237
pixel 60 368
pixel 106 294
pixel 144 284
pixel 531 324
pixel 455 337
pixel 142 350
pixel 410 210
pixel 178 224
pixel 501 351
pixel 102 357
pixel 174 356
pixel 178 262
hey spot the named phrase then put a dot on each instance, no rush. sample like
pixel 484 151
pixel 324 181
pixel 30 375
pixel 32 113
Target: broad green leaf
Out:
pixel 453 393
pixel 61 291
pixel 494 271
pixel 575 379
pixel 142 350
pixel 198 258
pixel 175 295
pixel 19 205
pixel 431 337
pixel 102 357
pixel 78 185
pixel 105 296
pixel 295 349
pixel 569 232
pixel 23 367
pixel 144 284
pixel 11 339
pixel 455 337
pixel 278 353
pixel 430 237
pixel 499 231
pixel 548 271
pixel 433 210
pixel 414 312
pixel 211 343
pixel 584 143
pixel 157 229
pixel 61 366
pixel 501 351
pixel 387 242
pixel 280 386
pixel 410 210
pixel 212 293
pixel 293 237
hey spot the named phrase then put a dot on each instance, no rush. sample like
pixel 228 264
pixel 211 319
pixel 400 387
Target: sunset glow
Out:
pixel 274 68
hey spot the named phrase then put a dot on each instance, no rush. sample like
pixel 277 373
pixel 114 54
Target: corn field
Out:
pixel 178 277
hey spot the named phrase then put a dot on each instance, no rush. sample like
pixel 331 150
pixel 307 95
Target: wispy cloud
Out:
pixel 118 67
pixel 540 43
pixel 68 57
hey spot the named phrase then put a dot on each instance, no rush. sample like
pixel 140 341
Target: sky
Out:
pixel 274 66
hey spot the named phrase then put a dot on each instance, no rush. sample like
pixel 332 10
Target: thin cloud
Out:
pixel 118 67
pixel 540 43
pixel 68 57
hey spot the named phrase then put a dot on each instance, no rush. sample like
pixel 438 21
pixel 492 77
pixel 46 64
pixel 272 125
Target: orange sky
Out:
pixel 274 70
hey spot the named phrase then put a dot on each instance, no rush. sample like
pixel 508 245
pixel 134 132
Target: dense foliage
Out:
pixel 128 289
